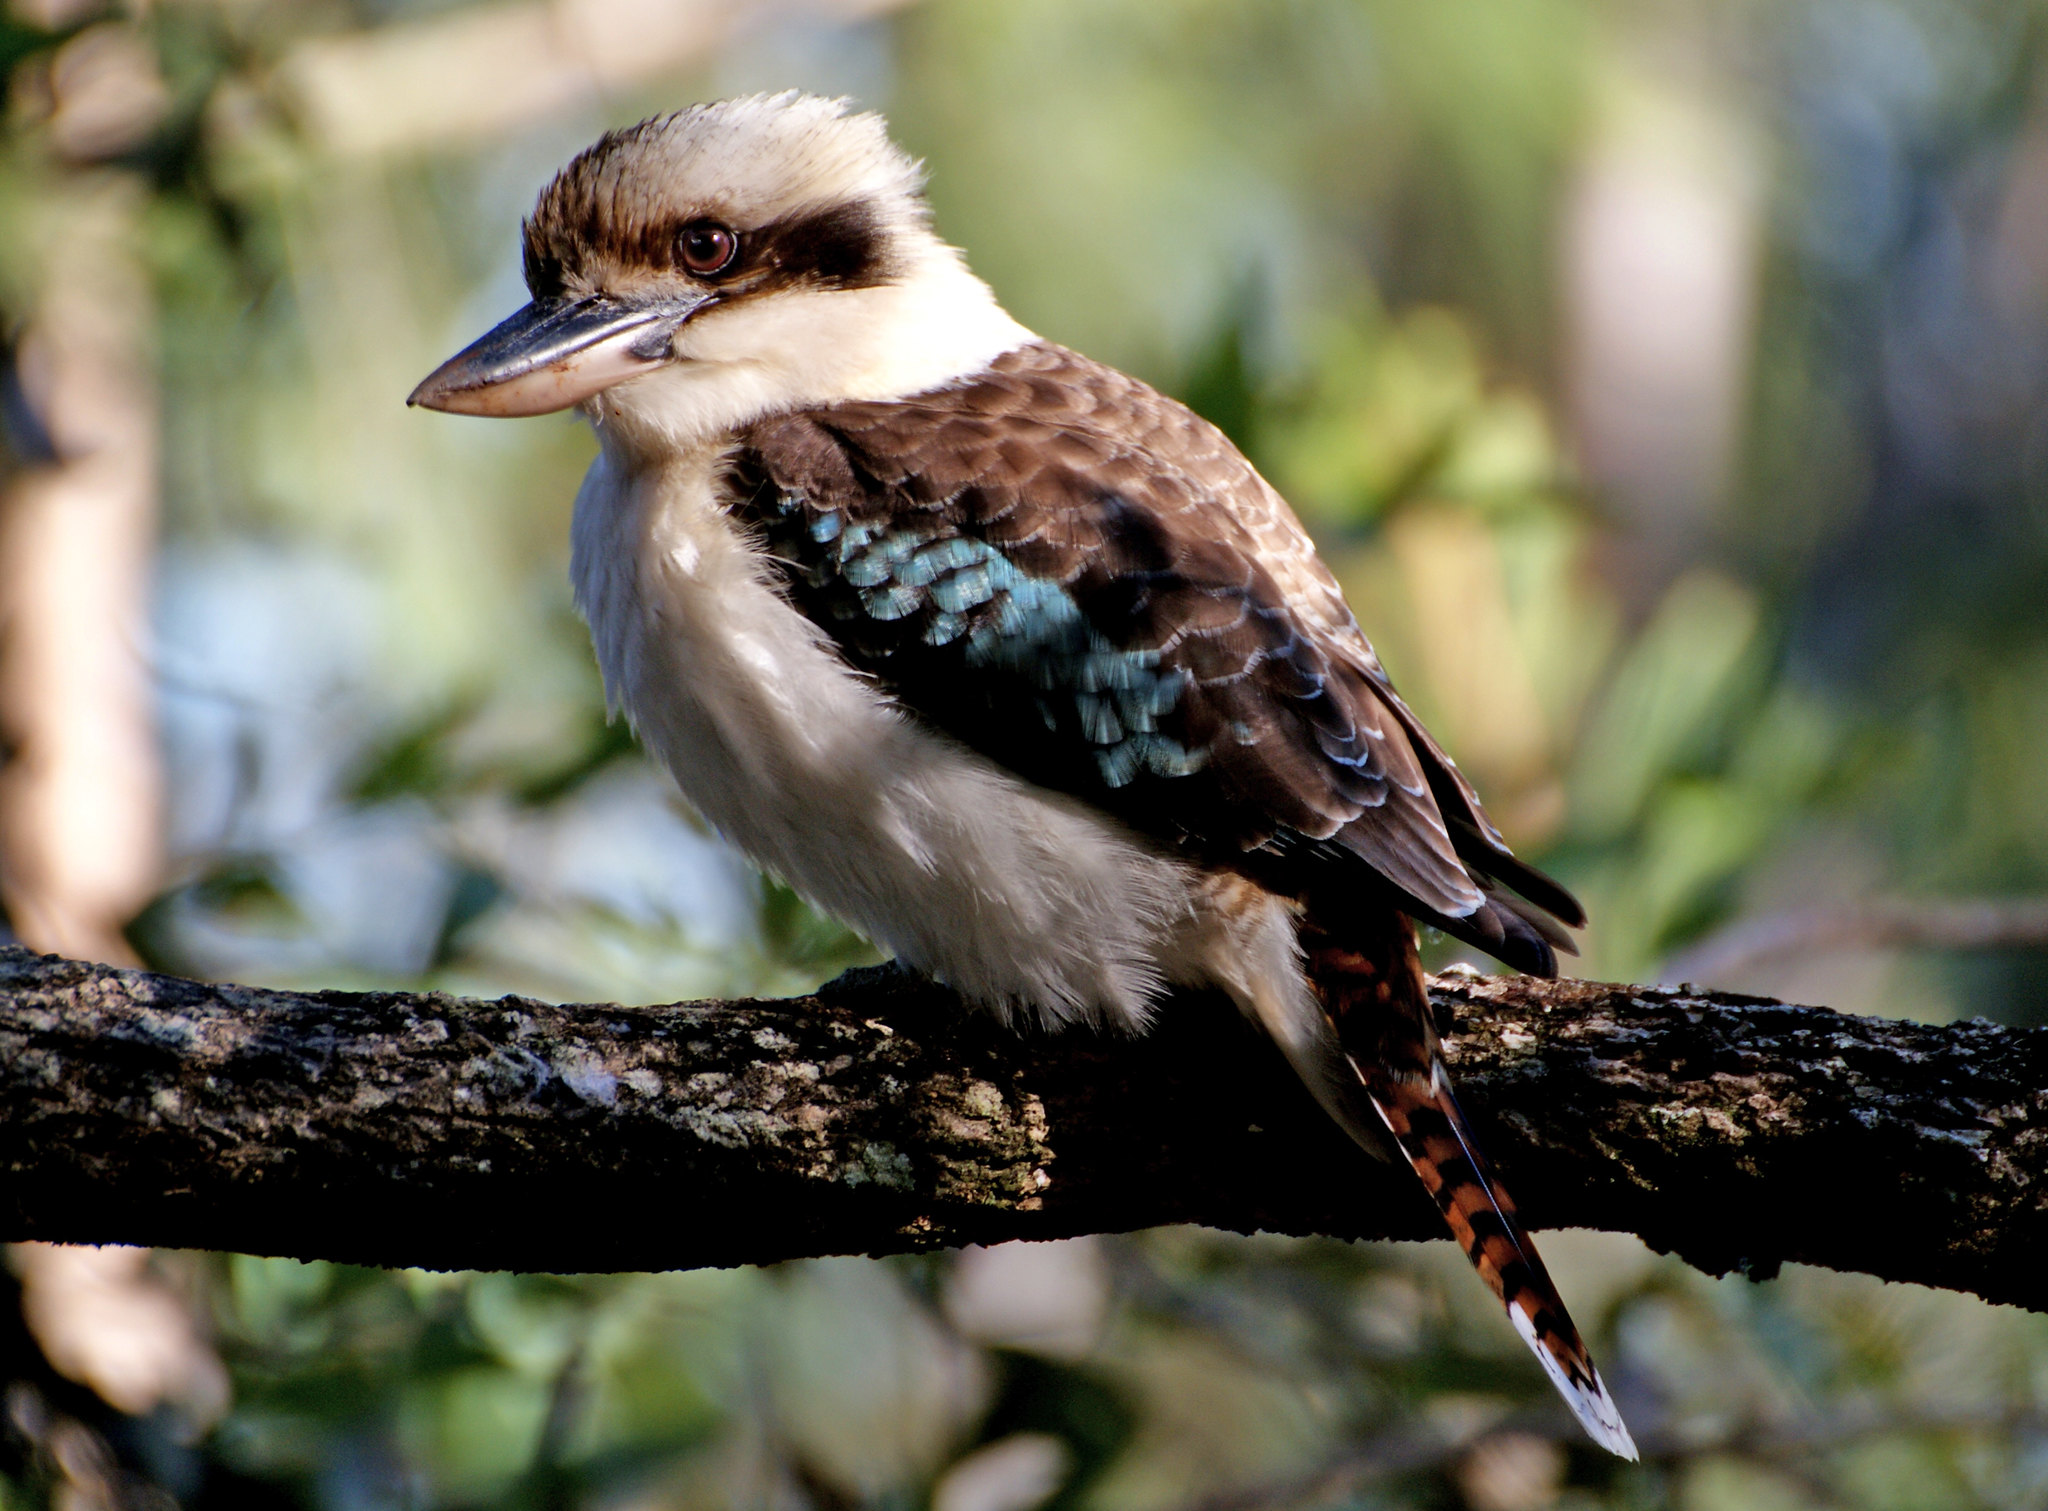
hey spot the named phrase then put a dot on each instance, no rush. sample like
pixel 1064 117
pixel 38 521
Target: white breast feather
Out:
pixel 1021 898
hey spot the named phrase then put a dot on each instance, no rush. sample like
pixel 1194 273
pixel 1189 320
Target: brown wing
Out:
pixel 1082 579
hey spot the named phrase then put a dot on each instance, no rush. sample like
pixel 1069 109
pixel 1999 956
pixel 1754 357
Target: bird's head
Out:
pixel 725 261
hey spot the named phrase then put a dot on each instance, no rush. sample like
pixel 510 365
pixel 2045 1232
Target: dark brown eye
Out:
pixel 707 247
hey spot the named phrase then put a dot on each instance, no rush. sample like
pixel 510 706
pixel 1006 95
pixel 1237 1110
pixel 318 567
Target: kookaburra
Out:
pixel 1003 658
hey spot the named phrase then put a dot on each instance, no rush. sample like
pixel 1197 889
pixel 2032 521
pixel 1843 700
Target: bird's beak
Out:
pixel 555 353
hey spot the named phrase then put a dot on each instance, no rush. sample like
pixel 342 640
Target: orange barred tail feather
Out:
pixel 1430 1128
pixel 1373 991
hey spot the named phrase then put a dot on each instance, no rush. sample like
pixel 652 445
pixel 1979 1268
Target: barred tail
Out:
pixel 1372 988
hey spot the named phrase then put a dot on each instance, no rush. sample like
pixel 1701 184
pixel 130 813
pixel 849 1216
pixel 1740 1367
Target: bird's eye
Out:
pixel 707 247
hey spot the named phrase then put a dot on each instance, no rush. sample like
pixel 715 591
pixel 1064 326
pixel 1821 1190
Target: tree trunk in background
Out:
pixel 80 847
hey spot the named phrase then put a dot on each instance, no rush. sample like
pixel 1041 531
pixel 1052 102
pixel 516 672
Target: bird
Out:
pixel 1005 659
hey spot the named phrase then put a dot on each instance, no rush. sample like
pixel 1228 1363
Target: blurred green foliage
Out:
pixel 1343 229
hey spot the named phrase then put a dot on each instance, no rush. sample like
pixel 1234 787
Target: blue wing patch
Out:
pixel 903 575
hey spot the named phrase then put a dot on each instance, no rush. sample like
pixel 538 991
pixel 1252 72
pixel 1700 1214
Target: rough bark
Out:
pixel 877 1116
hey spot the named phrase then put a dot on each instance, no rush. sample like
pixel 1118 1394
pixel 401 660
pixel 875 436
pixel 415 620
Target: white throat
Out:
pixel 803 347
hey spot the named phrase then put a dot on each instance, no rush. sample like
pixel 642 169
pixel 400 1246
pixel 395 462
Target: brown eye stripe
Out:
pixel 571 237
pixel 840 248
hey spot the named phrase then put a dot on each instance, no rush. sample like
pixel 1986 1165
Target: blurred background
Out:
pixel 1666 379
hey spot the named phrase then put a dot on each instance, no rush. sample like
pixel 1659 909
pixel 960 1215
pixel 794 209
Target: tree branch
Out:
pixel 877 1116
